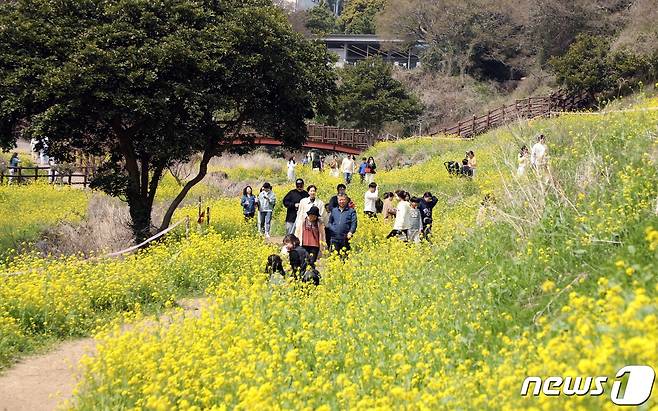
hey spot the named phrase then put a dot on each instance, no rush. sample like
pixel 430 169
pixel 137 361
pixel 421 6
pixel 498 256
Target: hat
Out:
pixel 314 211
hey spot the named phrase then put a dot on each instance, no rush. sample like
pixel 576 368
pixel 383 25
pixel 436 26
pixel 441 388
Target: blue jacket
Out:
pixel 341 222
pixel 248 204
pixel 362 168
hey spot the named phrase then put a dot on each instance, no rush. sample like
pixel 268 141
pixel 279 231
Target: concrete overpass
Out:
pixel 352 48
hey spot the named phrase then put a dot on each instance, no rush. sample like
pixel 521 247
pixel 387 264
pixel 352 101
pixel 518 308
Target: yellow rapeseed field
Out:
pixel 554 277
pixel 27 209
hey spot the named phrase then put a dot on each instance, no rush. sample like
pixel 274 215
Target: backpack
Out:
pixel 379 205
pixel 311 276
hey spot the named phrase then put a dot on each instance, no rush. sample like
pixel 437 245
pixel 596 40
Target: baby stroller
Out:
pixel 453 168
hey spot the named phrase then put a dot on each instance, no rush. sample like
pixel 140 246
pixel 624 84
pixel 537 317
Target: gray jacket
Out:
pixel 266 200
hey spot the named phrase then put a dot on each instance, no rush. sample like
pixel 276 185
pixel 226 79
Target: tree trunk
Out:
pixel 203 170
pixel 140 215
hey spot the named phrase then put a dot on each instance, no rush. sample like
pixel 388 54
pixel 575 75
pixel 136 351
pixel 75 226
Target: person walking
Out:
pixel 370 201
pixel 291 169
pixel 333 165
pixel 402 222
pixel 388 210
pixel 347 168
pixel 523 161
pixel 371 170
pixel 249 203
pixel 539 154
pixel 415 220
pixel 333 201
pixel 291 203
pixel 325 223
pixel 362 169
pixel 342 224
pixel 316 164
pixel 426 206
pixel 305 205
pixel 266 201
pixel 312 234
pixel 14 162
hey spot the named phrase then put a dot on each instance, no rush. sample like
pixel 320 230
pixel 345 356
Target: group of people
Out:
pixel 311 223
pixel 466 168
pixel 348 167
pixel 537 157
pixel 413 216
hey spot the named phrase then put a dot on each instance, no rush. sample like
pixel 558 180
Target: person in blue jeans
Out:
pixel 266 201
pixel 248 203
pixel 342 224
pixel 362 169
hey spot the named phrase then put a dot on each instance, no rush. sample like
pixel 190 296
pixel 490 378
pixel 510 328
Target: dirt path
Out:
pixel 42 382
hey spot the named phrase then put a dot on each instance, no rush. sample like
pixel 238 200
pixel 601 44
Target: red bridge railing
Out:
pixel 347 137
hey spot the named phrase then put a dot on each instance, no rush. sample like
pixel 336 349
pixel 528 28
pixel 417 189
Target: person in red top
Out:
pixel 313 234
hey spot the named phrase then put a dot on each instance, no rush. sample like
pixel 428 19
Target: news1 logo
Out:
pixel 636 391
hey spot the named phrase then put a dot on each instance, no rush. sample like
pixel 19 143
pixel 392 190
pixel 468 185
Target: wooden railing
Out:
pixel 348 137
pixel 527 108
pixel 78 176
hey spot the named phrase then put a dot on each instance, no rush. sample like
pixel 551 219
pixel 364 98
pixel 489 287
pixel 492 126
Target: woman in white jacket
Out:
pixel 304 205
pixel 370 201
pixel 402 218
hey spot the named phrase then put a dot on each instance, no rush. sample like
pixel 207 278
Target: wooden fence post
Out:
pixel 70 176
pixel 208 215
pixel 198 217
pixel 84 181
pixel 459 129
pixel 529 107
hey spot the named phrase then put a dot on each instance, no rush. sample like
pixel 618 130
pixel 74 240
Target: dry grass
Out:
pixel 106 227
pixel 259 159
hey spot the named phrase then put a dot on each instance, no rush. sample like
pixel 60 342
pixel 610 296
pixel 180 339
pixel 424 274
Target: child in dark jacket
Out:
pixel 299 257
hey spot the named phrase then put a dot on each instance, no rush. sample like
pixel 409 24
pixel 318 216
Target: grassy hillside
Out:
pixel 556 278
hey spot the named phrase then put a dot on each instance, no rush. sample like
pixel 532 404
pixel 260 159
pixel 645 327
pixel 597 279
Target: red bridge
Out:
pixel 342 140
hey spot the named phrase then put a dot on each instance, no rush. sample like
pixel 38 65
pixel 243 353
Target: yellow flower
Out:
pixel 548 286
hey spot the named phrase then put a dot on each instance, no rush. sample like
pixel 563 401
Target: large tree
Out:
pixel 461 36
pixel 321 20
pixel 146 84
pixel 369 97
pixel 358 17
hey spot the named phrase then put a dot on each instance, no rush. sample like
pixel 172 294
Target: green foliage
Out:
pixel 369 97
pixel 149 83
pixel 590 66
pixel 358 16
pixel 584 66
pixel 321 20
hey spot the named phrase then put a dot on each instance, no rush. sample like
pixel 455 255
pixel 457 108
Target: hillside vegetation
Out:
pixel 558 278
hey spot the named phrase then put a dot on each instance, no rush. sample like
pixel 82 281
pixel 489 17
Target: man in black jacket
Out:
pixel 426 206
pixel 291 203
